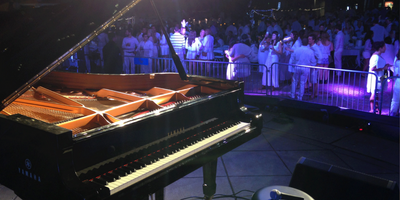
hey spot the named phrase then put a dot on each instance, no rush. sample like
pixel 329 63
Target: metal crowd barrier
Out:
pixel 390 96
pixel 325 86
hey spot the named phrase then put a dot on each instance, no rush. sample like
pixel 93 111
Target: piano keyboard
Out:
pixel 163 163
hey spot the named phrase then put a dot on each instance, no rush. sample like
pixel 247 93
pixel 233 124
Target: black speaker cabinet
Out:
pixel 328 182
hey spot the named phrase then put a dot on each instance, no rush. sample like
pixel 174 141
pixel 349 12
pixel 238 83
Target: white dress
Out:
pixel 379 62
pixel 394 106
pixel 263 52
pixel 164 46
pixel 238 70
pixel 273 74
pixel 192 49
pixel 367 49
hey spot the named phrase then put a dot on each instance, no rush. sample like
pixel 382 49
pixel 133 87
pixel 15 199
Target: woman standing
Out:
pixel 164 52
pixel 273 56
pixel 394 106
pixel 263 51
pixel 326 48
pixel 377 65
pixel 367 48
pixel 239 53
pixel 192 45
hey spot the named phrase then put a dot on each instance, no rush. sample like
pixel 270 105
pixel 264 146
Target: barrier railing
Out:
pixel 336 87
pixel 352 89
pixel 389 100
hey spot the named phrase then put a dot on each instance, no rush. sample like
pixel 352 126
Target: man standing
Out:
pixel 277 28
pixel 207 49
pixel 146 52
pixel 314 72
pixel 339 44
pixel 130 45
pixel 379 31
pixel 112 56
pixel 178 42
pixel 270 29
pixel 231 28
pixel 301 56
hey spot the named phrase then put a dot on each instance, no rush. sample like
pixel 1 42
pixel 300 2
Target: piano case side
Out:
pixel 36 159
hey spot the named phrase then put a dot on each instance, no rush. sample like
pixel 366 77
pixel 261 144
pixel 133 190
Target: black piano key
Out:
pixel 100 181
pixel 112 174
pixel 155 158
pixel 117 173
pixel 128 169
pixel 120 172
pixel 137 165
pixel 108 178
pixel 159 155
pixel 147 160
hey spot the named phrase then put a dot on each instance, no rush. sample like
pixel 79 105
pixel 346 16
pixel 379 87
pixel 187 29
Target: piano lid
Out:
pixel 35 40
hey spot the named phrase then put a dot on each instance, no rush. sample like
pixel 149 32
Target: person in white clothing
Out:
pixel 379 31
pixel 314 72
pixel 146 51
pixel 207 49
pixel 130 45
pixel 394 105
pixel 367 49
pixel 301 56
pixel 231 28
pixel 192 46
pixel 270 28
pixel 271 78
pixel 103 40
pixel 377 65
pixel 339 45
pixel 178 42
pixel 289 45
pixel 326 48
pixel 277 28
pixel 239 53
pixel 263 51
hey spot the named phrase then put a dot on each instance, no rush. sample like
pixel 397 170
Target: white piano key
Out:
pixel 166 162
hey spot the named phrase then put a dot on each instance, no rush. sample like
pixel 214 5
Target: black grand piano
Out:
pixel 66 135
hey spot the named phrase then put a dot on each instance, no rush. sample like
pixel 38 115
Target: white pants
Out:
pixel 338 59
pixel 147 68
pixel 300 74
pixel 129 64
pixel 394 106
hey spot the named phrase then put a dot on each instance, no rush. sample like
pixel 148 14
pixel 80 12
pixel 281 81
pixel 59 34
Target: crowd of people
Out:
pixel 302 39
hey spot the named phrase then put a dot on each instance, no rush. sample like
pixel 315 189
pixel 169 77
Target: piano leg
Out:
pixel 209 176
pixel 159 195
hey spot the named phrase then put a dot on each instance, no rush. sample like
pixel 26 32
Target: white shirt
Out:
pixel 339 41
pixel 231 28
pixel 317 52
pixel 296 26
pixel 270 29
pixel 303 56
pixel 245 30
pixel 146 48
pixel 103 39
pixel 129 45
pixel 379 33
pixel 279 30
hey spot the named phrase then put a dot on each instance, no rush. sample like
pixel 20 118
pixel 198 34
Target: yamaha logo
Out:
pixel 28 164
